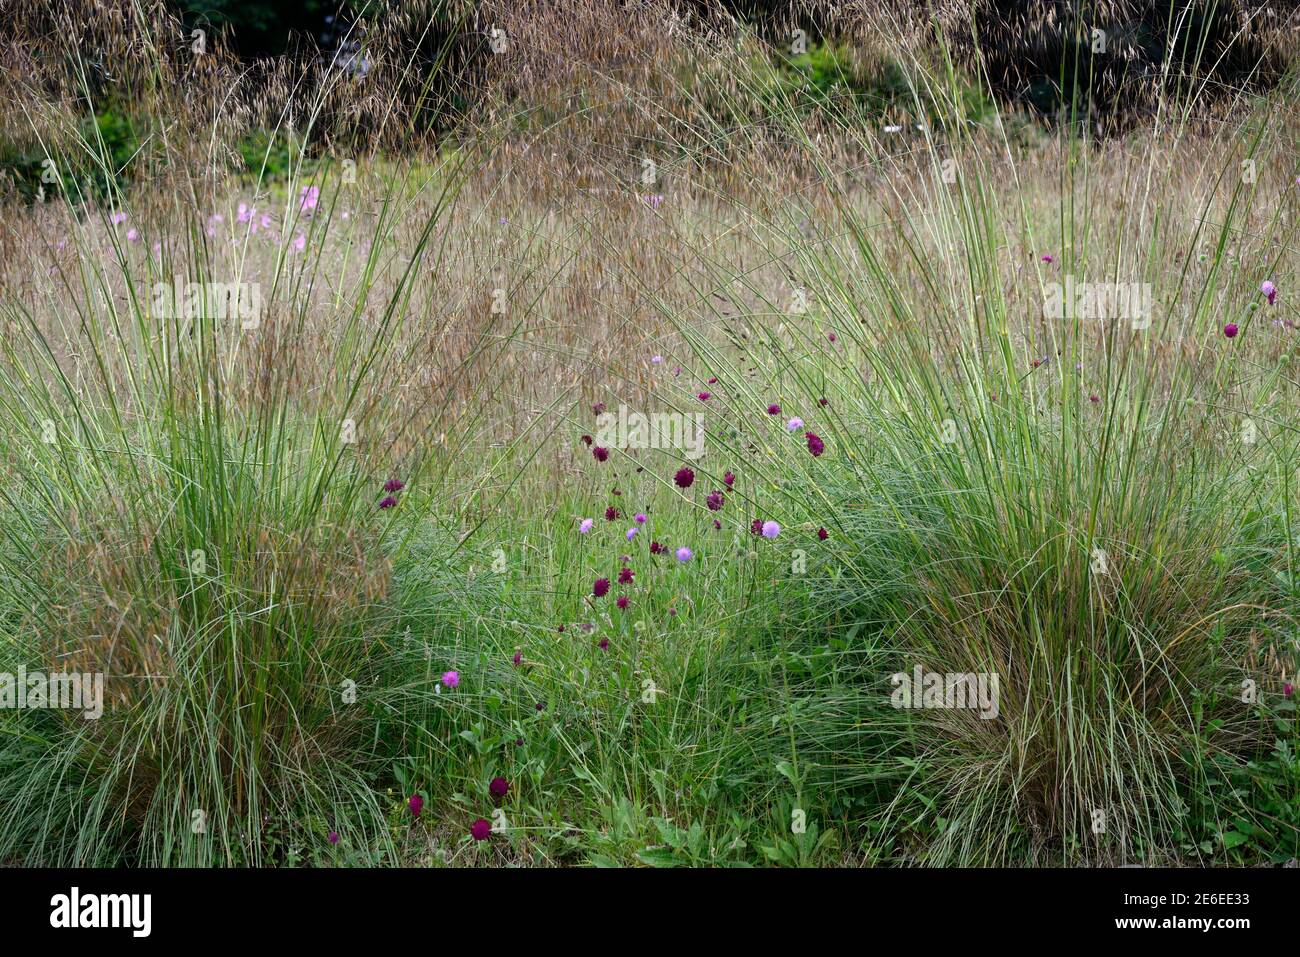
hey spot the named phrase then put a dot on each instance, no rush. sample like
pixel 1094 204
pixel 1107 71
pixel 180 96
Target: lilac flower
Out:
pixel 771 529
pixel 795 423
pixel 684 554
pixel 310 196
pixel 1269 290
pixel 631 533
pixel 585 526
pixel 657 360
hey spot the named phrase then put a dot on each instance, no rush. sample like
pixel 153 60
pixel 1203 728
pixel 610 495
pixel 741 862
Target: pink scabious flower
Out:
pixel 310 196
pixel 656 360
pixel 119 218
pixel 625 576
pixel 684 554
pixel 300 242
pixel 684 478
pixel 1048 258
pixel 600 453
pixel 244 214
pixel 585 526
pixel 387 501
pixel 133 235
pixel 622 601
pixel 1269 290
pixel 794 424
pixel 705 396
pixel 394 485
pixel 729 479
pixel 1230 330
pixel 480 830
pixel 499 787
pixel 416 804
pixel 715 500
pixel 640 518
pixel 601 587
pixel 771 529
pixel 1288 689
pixel 774 409
pixel 450 679
pixel 815 445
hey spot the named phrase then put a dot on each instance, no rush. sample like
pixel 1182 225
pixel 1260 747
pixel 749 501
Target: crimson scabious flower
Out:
pixel 598 408
pixel 601 588
pixel 1094 398
pixel 499 787
pixel 640 518
pixel 1047 258
pixel 625 576
pixel 717 524
pixel 823 402
pixel 587 440
pixel 823 534
pixel 705 396
pixel 773 409
pixel 622 601
pixel 713 380
pixel 611 514
pixel 334 837
pixel 1288 689
pixel 600 453
pixel 416 804
pixel 519 656
pixel 603 644
pixel 684 478
pixel 656 548
pixel 729 479
pixel 815 445
pixel 394 485
pixel 480 830
pixel 1230 330
pixel 756 526
pixel 450 678
pixel 715 500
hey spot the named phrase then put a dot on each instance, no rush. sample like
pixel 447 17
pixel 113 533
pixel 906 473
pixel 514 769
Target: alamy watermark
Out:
pixel 976 691
pixel 658 430
pixel 1099 300
pixel 81 691
pixel 216 300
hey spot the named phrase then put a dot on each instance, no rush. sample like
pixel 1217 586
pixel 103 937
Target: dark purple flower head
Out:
pixel 622 601
pixel 625 576
pixel 394 485
pixel 519 656
pixel 611 514
pixel 601 588
pixel 604 644
pixel 717 524
pixel 499 787
pixel 756 526
pixel 480 830
pixel 684 478
pixel 823 534
pixel 600 453
pixel 1230 330
pixel 823 402
pixel 587 440
pixel 598 408
pixel 815 445
pixel 713 380
pixel 656 548
pixel 705 396
pixel 387 501
pixel 334 837
pixel 715 500
pixel 540 706
pixel 729 479
pixel 416 804
pixel 773 409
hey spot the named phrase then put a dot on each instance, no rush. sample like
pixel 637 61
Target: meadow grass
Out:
pixel 334 560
